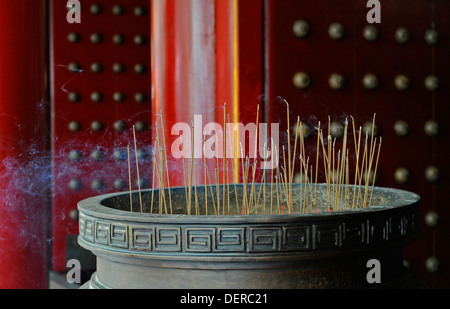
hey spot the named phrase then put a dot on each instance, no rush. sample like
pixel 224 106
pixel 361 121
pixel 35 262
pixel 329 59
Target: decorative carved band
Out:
pixel 352 232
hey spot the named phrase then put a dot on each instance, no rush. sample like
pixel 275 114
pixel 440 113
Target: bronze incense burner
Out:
pixel 320 249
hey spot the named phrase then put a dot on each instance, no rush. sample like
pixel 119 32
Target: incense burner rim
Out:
pixel 94 206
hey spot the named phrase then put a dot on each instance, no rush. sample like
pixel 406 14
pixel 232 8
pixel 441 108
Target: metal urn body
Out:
pixel 320 249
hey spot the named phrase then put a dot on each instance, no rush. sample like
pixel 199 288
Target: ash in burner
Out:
pixel 233 206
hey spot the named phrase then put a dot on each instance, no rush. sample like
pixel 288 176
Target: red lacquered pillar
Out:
pixel 205 54
pixel 239 61
pixel 24 167
pixel 183 69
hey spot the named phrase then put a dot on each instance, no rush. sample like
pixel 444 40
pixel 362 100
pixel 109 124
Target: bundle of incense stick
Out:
pixel 342 192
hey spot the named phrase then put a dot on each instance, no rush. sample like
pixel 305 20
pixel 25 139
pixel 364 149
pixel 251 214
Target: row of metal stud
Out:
pixel 337 31
pixel 97 38
pixel 336 81
pixel 97 96
pixel 117 10
pixel 98 185
pixel 98 67
pixel 119 126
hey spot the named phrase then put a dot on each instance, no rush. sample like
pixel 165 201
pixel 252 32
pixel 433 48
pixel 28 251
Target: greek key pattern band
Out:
pixel 257 238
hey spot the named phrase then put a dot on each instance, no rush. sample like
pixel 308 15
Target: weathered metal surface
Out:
pixel 315 250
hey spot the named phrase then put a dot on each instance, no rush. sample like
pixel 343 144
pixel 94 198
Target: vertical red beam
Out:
pixel 225 57
pixel 23 157
pixel 203 55
pixel 239 56
pixel 227 64
pixel 250 53
pixel 183 67
pixel 239 61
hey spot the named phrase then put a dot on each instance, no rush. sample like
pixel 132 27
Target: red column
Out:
pixel 183 67
pixel 239 62
pixel 205 54
pixel 23 158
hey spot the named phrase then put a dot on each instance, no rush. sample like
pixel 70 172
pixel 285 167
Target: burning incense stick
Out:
pixel 277 180
pixel 363 167
pixel 197 210
pixel 262 184
pixel 217 171
pixel 165 160
pixel 137 168
pixel 357 166
pixel 317 164
pixel 205 169
pixel 335 165
pixel 278 196
pixel 217 190
pixel 129 177
pixel 330 158
pixel 184 169
pixel 153 178
pixel 162 190
pixel 375 172
pixel 228 188
pixel 284 189
pixel 271 176
pixel 244 182
pixel 224 153
pixel 369 169
pixel 234 171
pixel 287 192
pixel 191 167
pixel 159 194
pixel 291 176
pixel 347 182
pixel 289 201
pixel 302 202
pixel 255 154
pixel 211 191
